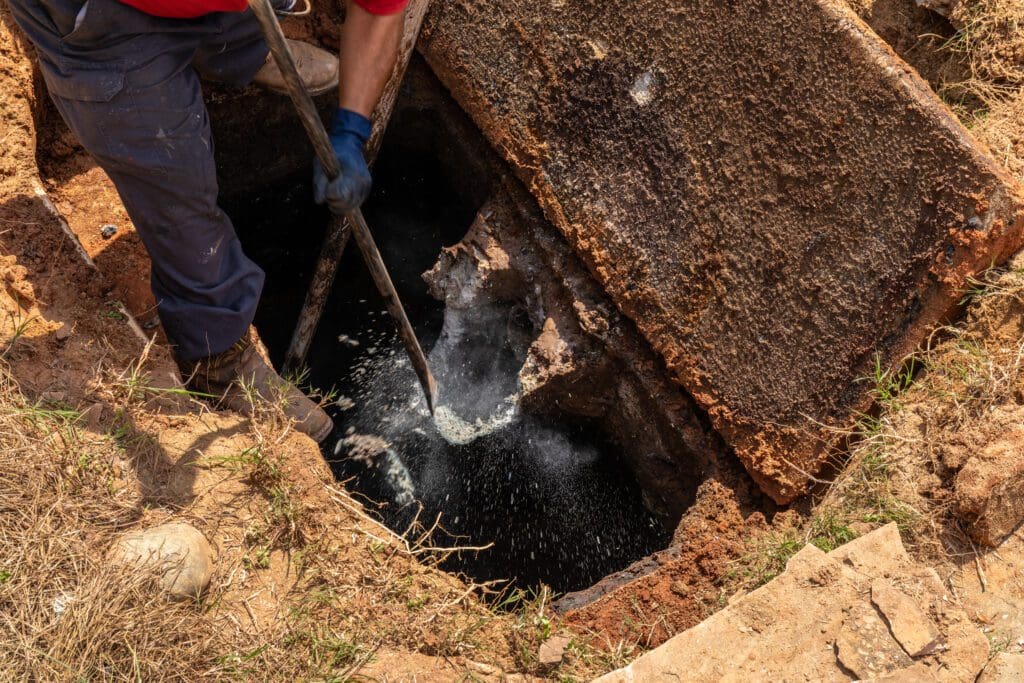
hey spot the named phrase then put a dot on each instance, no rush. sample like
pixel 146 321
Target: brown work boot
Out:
pixel 239 375
pixel 317 68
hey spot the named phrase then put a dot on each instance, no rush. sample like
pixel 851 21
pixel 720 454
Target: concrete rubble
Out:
pixel 864 611
pixel 770 194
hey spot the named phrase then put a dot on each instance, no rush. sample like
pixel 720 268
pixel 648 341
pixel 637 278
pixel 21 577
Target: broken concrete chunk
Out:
pixel 798 627
pixel 909 625
pixel 866 648
pixel 879 553
pixel 177 552
pixel 989 489
pixel 552 650
pixel 1005 667
pixel 769 193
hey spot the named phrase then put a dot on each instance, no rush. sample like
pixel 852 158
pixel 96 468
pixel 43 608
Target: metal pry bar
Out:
pixel 337 234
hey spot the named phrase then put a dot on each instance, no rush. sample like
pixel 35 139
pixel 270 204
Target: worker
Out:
pixel 124 75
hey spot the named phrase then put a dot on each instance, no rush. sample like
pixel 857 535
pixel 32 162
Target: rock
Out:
pixel 989 489
pixel 908 624
pixel 552 650
pixel 107 231
pixel 1005 667
pixel 766 228
pixel 64 332
pixel 178 552
pixel 865 646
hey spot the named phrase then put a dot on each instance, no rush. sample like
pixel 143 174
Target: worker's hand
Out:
pixel 348 133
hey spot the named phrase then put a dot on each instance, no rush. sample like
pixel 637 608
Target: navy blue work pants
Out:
pixel 127 84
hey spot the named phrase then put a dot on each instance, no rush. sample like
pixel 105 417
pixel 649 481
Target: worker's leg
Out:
pixel 233 54
pixel 123 83
pixel 155 145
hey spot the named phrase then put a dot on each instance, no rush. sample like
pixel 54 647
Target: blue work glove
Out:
pixel 348 132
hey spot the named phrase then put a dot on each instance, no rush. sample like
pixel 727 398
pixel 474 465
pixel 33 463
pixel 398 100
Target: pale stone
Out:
pixel 919 673
pixel 1005 667
pixel 866 648
pixel 552 650
pixel 178 552
pixel 909 625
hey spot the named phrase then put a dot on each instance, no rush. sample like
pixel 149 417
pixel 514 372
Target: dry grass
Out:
pixel 991 34
pixel 349 588
pixel 1002 129
pixel 65 614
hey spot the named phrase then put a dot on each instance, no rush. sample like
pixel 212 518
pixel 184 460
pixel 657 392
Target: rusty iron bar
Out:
pixel 339 229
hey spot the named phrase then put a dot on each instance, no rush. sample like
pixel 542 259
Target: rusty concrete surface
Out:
pixel 765 188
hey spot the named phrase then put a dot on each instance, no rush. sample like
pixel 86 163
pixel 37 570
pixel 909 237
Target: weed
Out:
pixel 890 383
pixel 258 559
pixel 828 531
pixel 770 556
pixel 115 311
pixel 21 326
pixel 998 641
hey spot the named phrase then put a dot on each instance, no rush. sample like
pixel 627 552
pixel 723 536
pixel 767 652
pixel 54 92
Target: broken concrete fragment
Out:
pixel 552 650
pixel 989 489
pixel 816 621
pixel 866 648
pixel 768 192
pixel 177 552
pixel 1005 667
pixel 909 625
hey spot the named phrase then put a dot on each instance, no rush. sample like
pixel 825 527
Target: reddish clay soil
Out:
pixel 681 586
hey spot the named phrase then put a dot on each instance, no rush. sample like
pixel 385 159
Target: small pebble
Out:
pixel 108 231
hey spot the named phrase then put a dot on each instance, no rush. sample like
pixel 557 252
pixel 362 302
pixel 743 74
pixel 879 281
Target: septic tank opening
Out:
pixel 551 493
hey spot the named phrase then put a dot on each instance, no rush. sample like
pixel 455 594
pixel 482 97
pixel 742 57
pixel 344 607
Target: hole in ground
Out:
pixel 551 493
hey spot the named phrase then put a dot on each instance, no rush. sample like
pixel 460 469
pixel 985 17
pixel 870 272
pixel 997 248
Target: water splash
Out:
pixel 557 508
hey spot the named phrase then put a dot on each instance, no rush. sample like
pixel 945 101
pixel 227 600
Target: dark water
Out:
pixel 554 499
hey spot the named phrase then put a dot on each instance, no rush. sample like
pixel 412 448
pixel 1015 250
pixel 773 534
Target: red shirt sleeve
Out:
pixel 382 6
